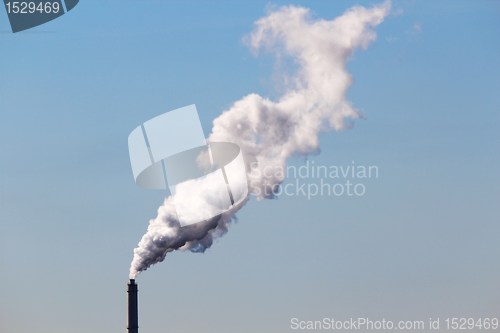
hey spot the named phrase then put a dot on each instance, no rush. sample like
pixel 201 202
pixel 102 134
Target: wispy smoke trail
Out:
pixel 269 132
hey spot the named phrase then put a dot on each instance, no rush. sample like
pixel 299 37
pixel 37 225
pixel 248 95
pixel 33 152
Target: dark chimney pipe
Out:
pixel 133 313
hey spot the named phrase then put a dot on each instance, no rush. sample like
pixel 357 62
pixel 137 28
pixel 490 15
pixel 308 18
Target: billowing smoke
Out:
pixel 270 132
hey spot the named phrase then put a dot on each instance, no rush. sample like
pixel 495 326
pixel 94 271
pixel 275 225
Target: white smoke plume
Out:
pixel 270 132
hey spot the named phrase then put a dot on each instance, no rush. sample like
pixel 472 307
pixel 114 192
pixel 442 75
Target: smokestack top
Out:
pixel 132 286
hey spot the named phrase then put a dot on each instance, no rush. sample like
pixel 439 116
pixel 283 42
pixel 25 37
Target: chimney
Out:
pixel 133 313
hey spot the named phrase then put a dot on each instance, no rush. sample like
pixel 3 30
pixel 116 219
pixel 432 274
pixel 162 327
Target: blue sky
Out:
pixel 422 242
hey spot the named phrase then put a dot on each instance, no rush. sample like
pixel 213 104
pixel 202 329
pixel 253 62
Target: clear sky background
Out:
pixel 423 242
